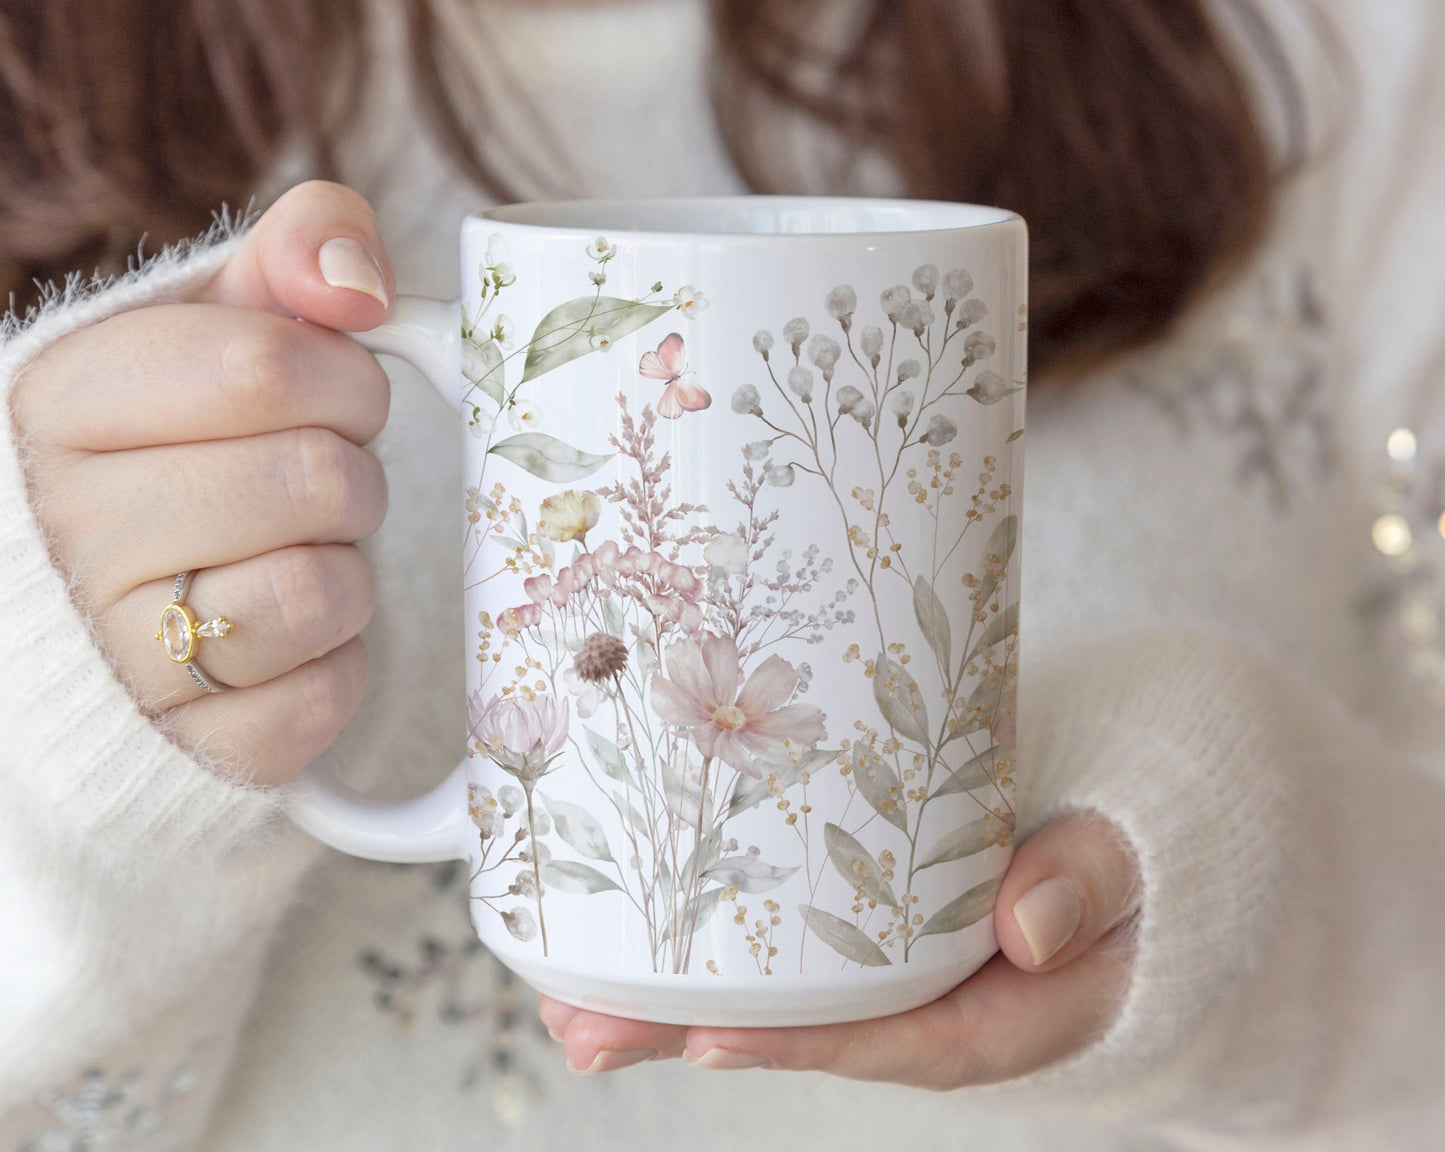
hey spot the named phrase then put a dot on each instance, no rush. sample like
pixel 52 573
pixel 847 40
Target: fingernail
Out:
pixel 1048 914
pixel 725 1061
pixel 346 263
pixel 611 1061
pixel 557 1036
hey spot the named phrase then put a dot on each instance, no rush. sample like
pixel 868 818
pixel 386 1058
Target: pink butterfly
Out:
pixel 683 393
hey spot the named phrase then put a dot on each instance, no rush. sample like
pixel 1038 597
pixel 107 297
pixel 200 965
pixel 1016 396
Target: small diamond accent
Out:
pixel 214 628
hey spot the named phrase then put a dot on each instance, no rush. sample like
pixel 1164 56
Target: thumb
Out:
pixel 1069 884
pixel 317 255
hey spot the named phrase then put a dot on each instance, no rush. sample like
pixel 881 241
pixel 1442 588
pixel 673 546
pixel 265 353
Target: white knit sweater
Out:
pixel 181 969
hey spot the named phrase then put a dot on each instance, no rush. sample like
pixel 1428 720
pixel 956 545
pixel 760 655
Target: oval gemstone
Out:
pixel 176 634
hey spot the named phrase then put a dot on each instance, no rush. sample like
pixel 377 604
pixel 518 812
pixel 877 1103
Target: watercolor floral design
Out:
pixel 654 668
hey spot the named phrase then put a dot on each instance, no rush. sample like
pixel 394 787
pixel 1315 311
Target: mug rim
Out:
pixel 547 216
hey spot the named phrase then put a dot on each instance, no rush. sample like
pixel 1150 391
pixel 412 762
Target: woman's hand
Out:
pixel 1062 924
pixel 221 436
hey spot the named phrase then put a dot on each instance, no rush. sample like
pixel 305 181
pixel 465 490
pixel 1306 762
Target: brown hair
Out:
pixel 1121 130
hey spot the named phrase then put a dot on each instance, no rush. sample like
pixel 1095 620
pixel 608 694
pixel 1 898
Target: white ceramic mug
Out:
pixel 742 517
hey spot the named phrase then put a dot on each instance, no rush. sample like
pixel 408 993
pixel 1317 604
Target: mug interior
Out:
pixel 750 215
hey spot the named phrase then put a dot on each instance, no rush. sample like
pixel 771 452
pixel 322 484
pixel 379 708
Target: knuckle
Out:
pixel 258 367
pixel 322 475
pixel 300 588
pixel 325 698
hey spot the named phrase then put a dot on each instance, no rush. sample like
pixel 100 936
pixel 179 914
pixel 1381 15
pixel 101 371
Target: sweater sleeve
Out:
pixel 129 871
pixel 1290 951
pixel 1287 959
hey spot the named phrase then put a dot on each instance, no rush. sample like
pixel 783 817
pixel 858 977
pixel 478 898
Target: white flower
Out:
pixel 925 279
pixel 795 331
pixel 800 380
pixel 747 402
pixel 757 450
pixel 503 331
pixel 498 251
pixel 688 300
pixel 763 343
pixel 988 388
pixel 601 251
pixel 848 398
pixel 600 341
pixel 781 476
pixel 918 315
pixel 524 415
pixel 842 302
pixel 871 341
pixel 895 300
pixel 824 351
pixel 940 431
pixel 480 425
pixel 902 405
pixel 979 346
pixel 865 412
pixel 956 284
pixel 598 278
pixel 908 370
pixel 587 694
pixel 971 313
pixel 728 552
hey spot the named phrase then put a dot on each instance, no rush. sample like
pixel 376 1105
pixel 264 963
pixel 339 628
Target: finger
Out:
pixel 123 519
pixel 998 1024
pixel 285 609
pixel 272 731
pixel 1068 885
pixel 317 255
pixel 184 372
pixel 597 1043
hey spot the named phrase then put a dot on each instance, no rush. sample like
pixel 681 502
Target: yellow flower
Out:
pixel 569 515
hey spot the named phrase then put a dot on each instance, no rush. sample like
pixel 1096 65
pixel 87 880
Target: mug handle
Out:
pixel 427 334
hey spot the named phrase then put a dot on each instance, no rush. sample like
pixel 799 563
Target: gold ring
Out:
pixel 181 633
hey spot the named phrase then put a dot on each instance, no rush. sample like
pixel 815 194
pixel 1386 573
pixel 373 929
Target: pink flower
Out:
pixel 701 693
pixel 521 736
pixel 538 589
pixel 682 581
pixel 516 619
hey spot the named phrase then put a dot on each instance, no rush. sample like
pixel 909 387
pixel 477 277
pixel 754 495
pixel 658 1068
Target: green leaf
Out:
pixel 548 458
pixel 611 615
pixel 969 840
pixel 880 786
pixel 579 879
pixel 749 873
pixel 567 331
pixel 636 818
pixel 984 700
pixel 843 937
pixel 968 909
pixel 579 828
pixel 698 913
pixel 977 773
pixel 998 629
pixel 750 791
pixel 857 866
pixel 899 700
pixel 1014 435
pixel 483 365
pixel 933 620
pixel 1001 543
pixel 607 755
